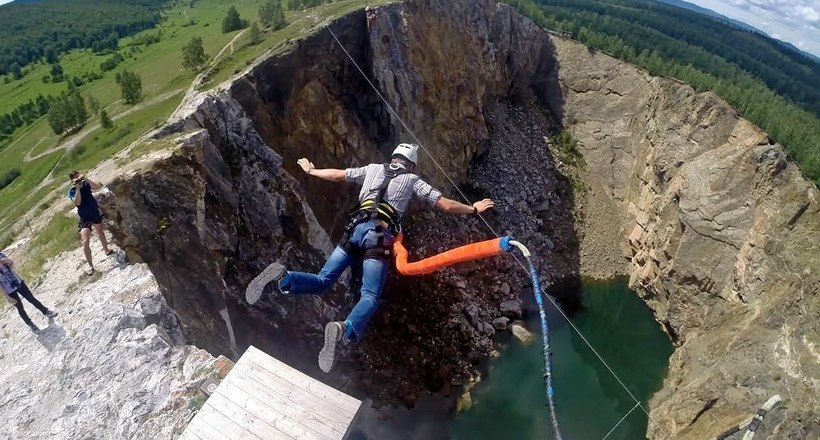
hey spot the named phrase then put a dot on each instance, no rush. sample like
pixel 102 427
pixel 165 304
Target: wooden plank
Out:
pixel 278 414
pixel 324 392
pixel 291 392
pixel 302 380
pixel 210 424
pixel 246 414
pixel 263 398
pixel 199 430
pixel 288 407
pixel 188 434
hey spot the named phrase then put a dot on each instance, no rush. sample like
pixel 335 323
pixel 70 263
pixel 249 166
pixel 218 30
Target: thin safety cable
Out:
pixel 484 220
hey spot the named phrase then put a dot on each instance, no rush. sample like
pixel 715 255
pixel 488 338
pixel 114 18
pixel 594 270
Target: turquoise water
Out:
pixel 509 402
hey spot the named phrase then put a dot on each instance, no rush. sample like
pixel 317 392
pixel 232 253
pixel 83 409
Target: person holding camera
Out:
pixel 14 287
pixel 89 211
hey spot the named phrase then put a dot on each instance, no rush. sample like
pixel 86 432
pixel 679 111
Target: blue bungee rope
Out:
pixel 545 337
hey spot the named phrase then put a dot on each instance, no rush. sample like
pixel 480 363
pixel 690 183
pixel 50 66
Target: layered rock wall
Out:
pixel 718 229
pixel 722 233
pixel 230 199
pixel 207 217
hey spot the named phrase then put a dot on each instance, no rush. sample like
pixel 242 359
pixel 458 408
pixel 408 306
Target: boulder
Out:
pixel 510 308
pixel 521 333
pixel 500 323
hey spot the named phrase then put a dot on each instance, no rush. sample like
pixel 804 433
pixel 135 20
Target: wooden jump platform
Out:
pixel 262 398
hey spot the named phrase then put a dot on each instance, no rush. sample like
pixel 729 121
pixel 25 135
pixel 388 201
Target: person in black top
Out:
pixel 89 212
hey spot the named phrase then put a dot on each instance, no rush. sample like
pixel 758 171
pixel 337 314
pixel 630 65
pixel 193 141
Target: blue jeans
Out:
pixel 374 273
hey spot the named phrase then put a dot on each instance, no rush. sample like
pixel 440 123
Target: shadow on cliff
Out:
pixel 50 336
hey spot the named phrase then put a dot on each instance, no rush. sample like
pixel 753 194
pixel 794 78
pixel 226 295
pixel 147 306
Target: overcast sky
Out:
pixel 795 21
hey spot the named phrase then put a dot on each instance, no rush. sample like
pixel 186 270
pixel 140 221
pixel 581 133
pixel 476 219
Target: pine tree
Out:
pixel 93 104
pixel 232 21
pixel 56 119
pixel 130 86
pixel 16 71
pixel 56 72
pixel 266 13
pixel 253 33
pixel 50 55
pixel 193 54
pixel 76 109
pixel 67 112
pixel 272 14
pixel 105 120
pixel 42 104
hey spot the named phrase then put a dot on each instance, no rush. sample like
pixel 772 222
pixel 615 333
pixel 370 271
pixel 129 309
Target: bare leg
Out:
pixel 101 234
pixel 85 236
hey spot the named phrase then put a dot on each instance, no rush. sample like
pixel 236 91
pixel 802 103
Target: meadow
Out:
pixel 40 154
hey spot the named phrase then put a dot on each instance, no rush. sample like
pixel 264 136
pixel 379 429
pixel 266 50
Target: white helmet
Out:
pixel 408 151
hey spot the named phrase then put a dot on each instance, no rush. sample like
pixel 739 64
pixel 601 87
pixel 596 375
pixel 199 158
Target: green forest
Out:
pixel 45 29
pixel 773 87
pixel 42 31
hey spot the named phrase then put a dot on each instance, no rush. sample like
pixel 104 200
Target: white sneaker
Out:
pixel 272 274
pixel 334 332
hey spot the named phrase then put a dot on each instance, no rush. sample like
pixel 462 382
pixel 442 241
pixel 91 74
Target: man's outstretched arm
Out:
pixel 330 174
pixel 453 207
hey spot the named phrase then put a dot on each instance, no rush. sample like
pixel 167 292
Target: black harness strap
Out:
pixel 374 209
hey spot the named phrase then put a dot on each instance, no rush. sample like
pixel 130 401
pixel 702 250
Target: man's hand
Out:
pixel 483 205
pixel 330 174
pixel 452 207
pixel 306 165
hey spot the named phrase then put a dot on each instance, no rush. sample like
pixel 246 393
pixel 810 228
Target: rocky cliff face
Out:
pixel 722 235
pixel 230 199
pixel 113 364
pixel 714 224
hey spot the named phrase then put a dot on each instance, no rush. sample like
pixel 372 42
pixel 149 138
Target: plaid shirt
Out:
pixel 400 191
pixel 9 281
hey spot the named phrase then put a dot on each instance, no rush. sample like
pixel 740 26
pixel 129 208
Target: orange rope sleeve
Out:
pixel 461 254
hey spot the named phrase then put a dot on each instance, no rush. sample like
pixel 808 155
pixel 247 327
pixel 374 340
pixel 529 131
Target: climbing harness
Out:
pixel 376 209
pixel 485 249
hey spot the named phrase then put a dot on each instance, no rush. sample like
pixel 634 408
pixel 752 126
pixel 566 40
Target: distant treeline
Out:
pixel 772 86
pixel 44 29
pixel 23 115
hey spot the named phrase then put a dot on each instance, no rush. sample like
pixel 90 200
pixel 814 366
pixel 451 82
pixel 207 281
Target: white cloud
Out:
pixel 794 21
pixel 808 13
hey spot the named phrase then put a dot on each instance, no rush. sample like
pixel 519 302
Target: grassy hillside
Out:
pixel 40 155
pixel 44 29
pixel 161 71
pixel 772 86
